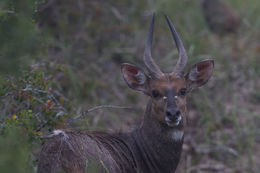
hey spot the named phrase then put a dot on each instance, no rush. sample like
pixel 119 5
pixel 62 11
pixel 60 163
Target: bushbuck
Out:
pixel 155 145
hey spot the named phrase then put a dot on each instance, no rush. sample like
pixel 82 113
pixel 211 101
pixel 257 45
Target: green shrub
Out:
pixel 32 104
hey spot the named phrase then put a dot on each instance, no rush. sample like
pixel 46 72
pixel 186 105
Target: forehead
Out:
pixel 168 82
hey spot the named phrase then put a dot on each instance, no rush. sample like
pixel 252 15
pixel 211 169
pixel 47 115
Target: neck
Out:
pixel 157 146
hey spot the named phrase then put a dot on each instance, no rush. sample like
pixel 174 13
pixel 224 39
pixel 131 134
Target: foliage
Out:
pixel 19 36
pixel 31 103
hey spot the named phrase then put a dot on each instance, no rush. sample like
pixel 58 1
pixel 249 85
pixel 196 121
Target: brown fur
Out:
pixel 153 147
pixel 164 84
pixel 150 148
pixel 135 152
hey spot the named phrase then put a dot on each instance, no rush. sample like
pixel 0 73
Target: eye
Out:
pixel 155 93
pixel 183 92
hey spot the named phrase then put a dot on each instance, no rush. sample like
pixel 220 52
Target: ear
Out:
pixel 199 74
pixel 134 77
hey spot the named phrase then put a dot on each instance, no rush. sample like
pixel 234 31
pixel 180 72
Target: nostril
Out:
pixel 168 113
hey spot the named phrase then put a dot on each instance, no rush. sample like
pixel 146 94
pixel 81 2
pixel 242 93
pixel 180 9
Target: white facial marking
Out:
pixel 179 120
pixel 164 97
pixel 171 124
pixel 175 97
pixel 177 135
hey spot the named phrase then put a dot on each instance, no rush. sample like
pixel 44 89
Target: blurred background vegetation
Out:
pixel 58 58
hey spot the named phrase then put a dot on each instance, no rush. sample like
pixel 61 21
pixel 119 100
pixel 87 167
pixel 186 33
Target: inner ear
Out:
pixel 134 77
pixel 199 74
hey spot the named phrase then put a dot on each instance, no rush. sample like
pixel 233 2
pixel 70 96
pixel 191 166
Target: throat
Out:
pixel 154 129
pixel 157 146
pixel 158 152
pixel 177 135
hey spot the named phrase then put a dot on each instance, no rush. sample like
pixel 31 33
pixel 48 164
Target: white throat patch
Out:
pixel 177 135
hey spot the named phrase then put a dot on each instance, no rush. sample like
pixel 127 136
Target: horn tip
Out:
pixel 153 17
pixel 166 17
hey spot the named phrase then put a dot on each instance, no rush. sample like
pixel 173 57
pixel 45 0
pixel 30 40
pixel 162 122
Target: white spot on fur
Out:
pixel 179 120
pixel 175 97
pixel 164 97
pixel 177 135
pixel 59 132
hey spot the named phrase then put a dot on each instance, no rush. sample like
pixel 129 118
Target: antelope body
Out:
pixel 155 146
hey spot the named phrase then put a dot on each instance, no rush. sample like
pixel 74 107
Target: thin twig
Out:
pixel 107 106
pixel 9 11
pixel 102 107
pixel 117 14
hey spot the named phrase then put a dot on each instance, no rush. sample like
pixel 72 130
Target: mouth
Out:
pixel 173 123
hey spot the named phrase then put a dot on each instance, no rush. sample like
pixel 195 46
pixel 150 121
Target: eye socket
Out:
pixel 155 93
pixel 183 91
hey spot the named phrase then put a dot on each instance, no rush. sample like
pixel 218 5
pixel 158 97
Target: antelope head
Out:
pixel 168 91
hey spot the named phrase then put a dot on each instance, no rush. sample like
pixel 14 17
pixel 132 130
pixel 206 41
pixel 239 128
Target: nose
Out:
pixel 173 114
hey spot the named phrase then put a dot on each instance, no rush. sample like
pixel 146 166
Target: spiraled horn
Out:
pixel 183 58
pixel 151 66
